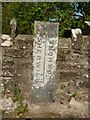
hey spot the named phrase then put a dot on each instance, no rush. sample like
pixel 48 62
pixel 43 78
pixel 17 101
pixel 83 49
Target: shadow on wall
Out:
pixel 85 30
pixel 67 33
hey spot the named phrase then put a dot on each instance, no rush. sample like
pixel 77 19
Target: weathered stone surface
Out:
pixel 86 43
pixel 7 104
pixel 77 45
pixel 44 64
pixel 7 41
pixel 64 43
pixel 68 71
pixel 64 49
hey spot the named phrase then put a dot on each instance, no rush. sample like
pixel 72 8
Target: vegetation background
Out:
pixel 68 14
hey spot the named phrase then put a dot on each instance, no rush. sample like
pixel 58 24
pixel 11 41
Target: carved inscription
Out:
pixel 44 58
pixel 50 66
pixel 38 63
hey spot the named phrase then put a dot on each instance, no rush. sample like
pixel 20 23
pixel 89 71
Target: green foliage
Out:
pixel 27 12
pixel 63 86
pixel 17 94
pixel 22 108
pixel 74 94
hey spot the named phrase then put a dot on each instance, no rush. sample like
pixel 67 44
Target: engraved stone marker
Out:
pixel 44 61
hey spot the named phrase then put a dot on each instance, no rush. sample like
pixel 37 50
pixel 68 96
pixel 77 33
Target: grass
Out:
pixel 17 96
pixel 74 94
pixel 22 108
pixel 63 86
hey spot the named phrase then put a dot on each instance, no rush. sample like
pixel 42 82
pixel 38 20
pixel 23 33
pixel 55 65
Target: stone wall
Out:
pixel 17 63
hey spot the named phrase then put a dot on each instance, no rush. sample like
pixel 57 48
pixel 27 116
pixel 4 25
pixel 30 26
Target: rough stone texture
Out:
pixel 85 44
pixel 44 61
pixel 76 45
pixel 72 76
